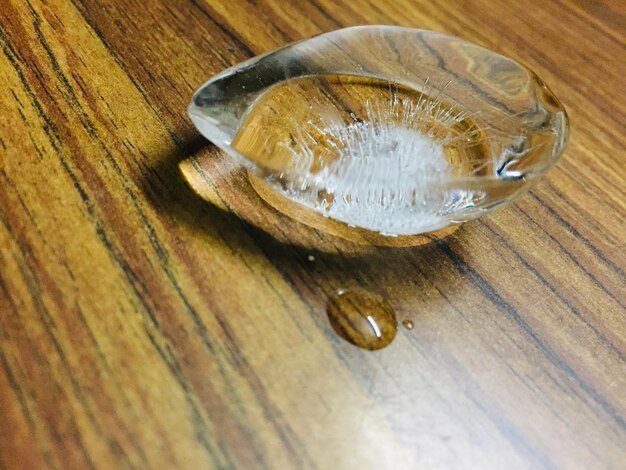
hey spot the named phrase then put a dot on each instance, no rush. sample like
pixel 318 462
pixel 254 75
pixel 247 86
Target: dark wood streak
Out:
pixel 47 321
pixel 158 248
pixel 518 345
pixel 273 415
pixel 468 83
pixel 91 130
pixel 542 279
pixel 41 309
pixel 492 295
pixel 92 25
pixel 103 361
pixel 325 13
pixel 205 11
pixel 498 418
pixel 28 270
pixel 269 251
pixel 572 258
pixel 600 30
pixel 19 393
pixel 507 428
pixel 133 280
pixel 285 434
pixel 574 231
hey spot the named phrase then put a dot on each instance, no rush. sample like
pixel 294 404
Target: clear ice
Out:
pixel 386 171
pixel 389 129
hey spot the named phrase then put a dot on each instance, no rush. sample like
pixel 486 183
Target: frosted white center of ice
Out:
pixel 384 180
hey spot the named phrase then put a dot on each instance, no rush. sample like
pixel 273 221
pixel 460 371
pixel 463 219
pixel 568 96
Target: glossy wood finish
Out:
pixel 141 326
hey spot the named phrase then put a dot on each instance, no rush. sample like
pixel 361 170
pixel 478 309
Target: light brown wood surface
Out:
pixel 142 326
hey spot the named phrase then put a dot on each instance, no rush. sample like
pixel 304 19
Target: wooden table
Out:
pixel 141 326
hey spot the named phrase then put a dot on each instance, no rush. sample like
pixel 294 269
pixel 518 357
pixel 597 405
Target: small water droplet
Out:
pixel 311 258
pixel 362 318
pixel 408 324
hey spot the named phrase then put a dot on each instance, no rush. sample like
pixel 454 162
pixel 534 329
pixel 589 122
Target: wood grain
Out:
pixel 141 326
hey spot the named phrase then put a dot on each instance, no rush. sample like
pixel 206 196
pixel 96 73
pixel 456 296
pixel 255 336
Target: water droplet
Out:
pixel 311 258
pixel 408 324
pixel 362 318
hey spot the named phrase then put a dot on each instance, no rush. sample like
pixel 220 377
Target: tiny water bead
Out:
pixel 362 318
pixel 390 130
pixel 408 324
